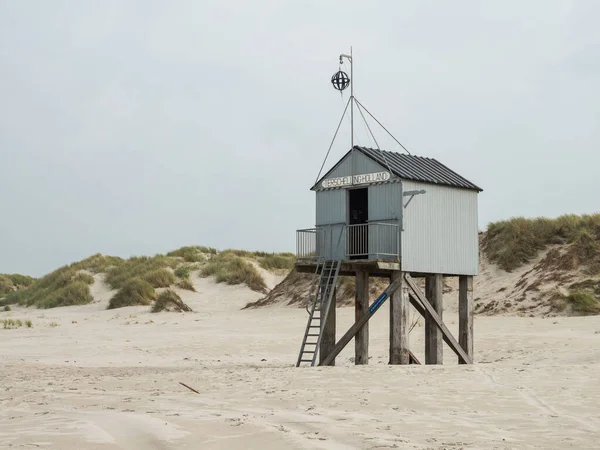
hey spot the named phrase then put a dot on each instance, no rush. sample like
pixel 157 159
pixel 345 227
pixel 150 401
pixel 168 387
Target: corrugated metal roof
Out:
pixel 416 168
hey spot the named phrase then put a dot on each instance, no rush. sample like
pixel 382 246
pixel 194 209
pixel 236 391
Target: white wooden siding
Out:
pixel 440 230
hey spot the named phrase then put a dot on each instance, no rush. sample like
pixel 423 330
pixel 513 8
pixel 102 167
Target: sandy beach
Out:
pixel 86 377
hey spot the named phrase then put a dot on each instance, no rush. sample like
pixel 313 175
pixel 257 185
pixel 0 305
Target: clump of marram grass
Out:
pixel 137 267
pixel 134 292
pixel 277 261
pixel 195 253
pixel 10 324
pixel 14 282
pixel 169 301
pixel 584 303
pixel 160 278
pixel 582 299
pixel 67 285
pixel 182 271
pixel 83 277
pixel 74 293
pixel 514 242
pixel 98 263
pixel 62 287
pixel 6 285
pixel 185 270
pixel 186 284
pixel 229 268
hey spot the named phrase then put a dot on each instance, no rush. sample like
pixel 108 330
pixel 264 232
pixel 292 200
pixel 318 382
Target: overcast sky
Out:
pixel 136 127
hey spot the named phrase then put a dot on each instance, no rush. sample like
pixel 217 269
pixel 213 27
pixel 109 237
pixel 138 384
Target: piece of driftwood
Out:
pixel 190 388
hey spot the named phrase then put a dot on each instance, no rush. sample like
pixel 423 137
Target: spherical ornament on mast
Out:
pixel 340 80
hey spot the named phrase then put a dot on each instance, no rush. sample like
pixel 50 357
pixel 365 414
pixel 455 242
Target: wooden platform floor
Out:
pixel 376 268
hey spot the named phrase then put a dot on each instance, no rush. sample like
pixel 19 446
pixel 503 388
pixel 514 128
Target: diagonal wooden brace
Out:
pixel 358 325
pixel 424 306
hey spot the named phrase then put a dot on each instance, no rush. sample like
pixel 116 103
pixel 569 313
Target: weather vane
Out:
pixel 340 80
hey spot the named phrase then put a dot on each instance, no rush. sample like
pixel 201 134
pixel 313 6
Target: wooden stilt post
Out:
pixel 328 337
pixel 465 314
pixel 399 328
pixel 434 285
pixel 361 305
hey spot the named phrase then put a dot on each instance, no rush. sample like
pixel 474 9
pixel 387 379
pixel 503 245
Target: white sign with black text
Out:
pixel 367 178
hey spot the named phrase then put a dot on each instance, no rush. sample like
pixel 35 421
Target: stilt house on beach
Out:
pixel 387 214
pixel 391 215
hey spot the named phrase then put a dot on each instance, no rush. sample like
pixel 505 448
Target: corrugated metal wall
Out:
pixel 385 201
pixel 440 230
pixel 364 164
pixel 331 206
pixel 385 205
pixel 331 210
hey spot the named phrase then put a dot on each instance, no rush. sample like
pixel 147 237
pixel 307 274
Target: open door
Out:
pixel 358 231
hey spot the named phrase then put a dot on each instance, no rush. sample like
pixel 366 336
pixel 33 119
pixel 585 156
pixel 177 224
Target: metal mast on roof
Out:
pixel 341 81
pixel 351 80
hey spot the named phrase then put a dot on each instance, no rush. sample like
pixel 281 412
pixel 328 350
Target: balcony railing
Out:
pixel 375 240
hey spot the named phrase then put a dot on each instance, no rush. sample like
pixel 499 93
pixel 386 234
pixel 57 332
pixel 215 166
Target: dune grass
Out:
pixel 84 277
pixel 133 292
pixel 228 267
pixel 196 253
pixel 74 293
pixel 514 242
pixel 137 267
pixel 6 285
pixel 63 287
pixel 266 260
pixel 98 263
pixel 183 271
pixel 186 284
pixel 169 301
pixel 9 324
pixel 13 282
pixel 277 261
pixel 69 285
pixel 160 278
pixel 584 303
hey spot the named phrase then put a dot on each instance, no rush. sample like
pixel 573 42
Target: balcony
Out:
pixel 370 241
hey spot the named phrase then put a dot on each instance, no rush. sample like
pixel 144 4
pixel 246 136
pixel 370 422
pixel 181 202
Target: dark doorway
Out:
pixel 358 233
